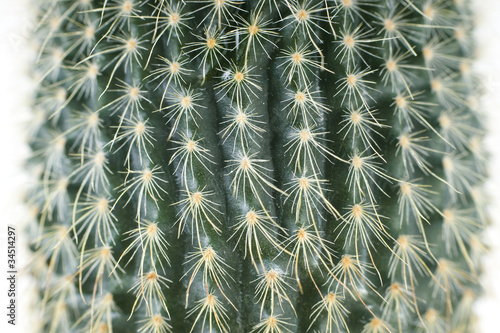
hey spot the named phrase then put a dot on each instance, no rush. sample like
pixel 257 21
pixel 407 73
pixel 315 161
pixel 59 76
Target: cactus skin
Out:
pixel 257 166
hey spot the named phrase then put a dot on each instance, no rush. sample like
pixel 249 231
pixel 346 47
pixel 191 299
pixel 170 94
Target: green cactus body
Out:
pixel 257 166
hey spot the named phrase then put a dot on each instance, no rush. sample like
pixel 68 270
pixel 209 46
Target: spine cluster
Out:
pixel 257 166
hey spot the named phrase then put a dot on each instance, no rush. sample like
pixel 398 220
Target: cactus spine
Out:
pixel 257 166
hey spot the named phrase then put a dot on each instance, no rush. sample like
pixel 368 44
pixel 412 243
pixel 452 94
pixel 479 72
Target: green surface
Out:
pixel 319 170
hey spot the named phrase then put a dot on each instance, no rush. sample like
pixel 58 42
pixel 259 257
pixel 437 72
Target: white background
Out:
pixel 16 20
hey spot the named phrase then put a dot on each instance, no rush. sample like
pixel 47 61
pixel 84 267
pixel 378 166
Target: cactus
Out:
pixel 256 166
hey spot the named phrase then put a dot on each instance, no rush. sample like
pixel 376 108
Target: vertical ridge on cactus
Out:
pixel 257 166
